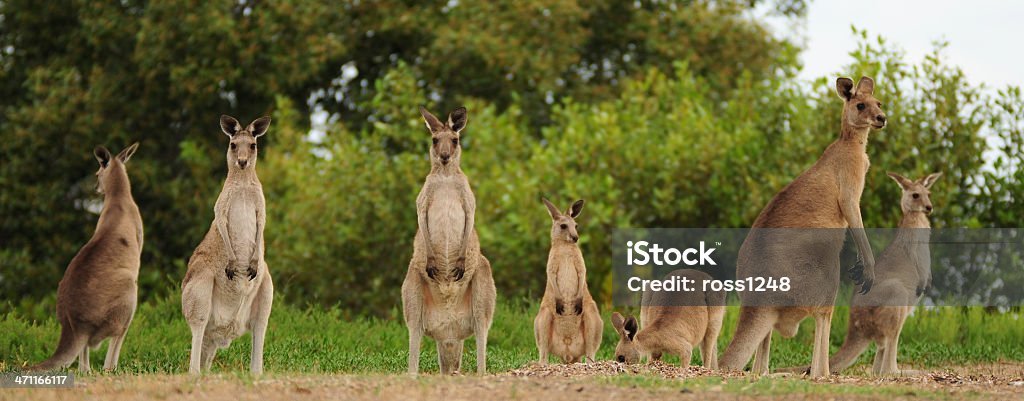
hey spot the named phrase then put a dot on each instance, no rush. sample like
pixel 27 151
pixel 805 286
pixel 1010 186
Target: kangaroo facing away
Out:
pixel 568 324
pixel 904 273
pixel 96 299
pixel 227 290
pixel 673 322
pixel 448 291
pixel 825 199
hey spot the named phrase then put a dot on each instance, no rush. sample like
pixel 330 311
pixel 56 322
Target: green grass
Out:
pixel 315 340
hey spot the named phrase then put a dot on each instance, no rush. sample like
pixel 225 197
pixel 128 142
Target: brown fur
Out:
pixel 448 293
pixel 826 196
pixel 903 275
pixel 667 327
pixel 568 323
pixel 227 290
pixel 97 297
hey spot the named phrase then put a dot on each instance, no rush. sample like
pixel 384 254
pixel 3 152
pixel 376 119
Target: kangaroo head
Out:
pixel 445 149
pixel 861 110
pixel 110 165
pixel 627 350
pixel 563 226
pixel 242 150
pixel 916 194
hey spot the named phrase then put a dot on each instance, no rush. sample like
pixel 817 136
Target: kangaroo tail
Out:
pixel 853 346
pixel 68 348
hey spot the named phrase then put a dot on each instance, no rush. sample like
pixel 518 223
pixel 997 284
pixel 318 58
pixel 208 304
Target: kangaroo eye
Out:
pixel 564 226
pixel 455 141
pixel 233 146
pixel 917 196
pixel 253 146
pixel 860 106
pixel 435 141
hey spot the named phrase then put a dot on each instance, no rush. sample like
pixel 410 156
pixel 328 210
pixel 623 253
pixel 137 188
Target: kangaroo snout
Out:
pixel 445 158
pixel 574 238
pixel 881 120
pixel 928 208
pixel 242 163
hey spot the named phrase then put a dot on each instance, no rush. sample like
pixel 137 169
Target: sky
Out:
pixel 985 36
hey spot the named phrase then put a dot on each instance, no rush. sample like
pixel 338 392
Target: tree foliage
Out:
pixel 659 114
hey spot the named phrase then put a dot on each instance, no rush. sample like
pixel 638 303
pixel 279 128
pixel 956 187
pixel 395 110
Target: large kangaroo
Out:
pixel 904 272
pixel 826 199
pixel 96 299
pixel 568 323
pixel 448 291
pixel 223 295
pixel 673 322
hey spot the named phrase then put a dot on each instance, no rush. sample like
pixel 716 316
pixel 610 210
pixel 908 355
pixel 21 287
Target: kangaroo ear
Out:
pixel 259 127
pixel 901 180
pixel 229 125
pixel 617 321
pixel 631 327
pixel 102 155
pixel 930 179
pixel 127 153
pixel 552 210
pixel 433 124
pixel 844 87
pixel 457 119
pixel 576 208
pixel 866 85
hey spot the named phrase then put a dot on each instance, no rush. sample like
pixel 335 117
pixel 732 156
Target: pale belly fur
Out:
pixel 449 322
pixel 232 303
pixel 566 278
pixel 446 221
pixel 242 229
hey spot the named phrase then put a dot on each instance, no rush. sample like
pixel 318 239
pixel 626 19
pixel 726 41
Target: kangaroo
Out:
pixel 97 297
pixel 826 196
pixel 568 323
pixel 904 273
pixel 221 297
pixel 673 323
pixel 448 292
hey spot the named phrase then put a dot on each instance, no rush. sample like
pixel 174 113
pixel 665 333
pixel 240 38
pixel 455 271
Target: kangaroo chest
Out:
pixel 565 270
pixel 446 220
pixel 240 211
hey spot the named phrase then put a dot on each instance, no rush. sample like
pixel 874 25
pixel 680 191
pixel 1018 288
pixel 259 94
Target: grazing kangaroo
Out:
pixel 826 199
pixel 223 295
pixel 673 322
pixel 448 291
pixel 904 273
pixel 96 299
pixel 568 324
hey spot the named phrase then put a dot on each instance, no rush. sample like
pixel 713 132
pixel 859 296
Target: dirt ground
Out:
pixel 595 381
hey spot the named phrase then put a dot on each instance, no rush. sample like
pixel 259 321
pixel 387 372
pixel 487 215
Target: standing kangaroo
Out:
pixel 674 322
pixel 96 299
pixel 448 291
pixel 826 200
pixel 223 296
pixel 568 324
pixel 904 272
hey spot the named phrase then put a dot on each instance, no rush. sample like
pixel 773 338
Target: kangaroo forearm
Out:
pixel 425 230
pixel 222 228
pixel 863 246
pixel 257 251
pixel 852 214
